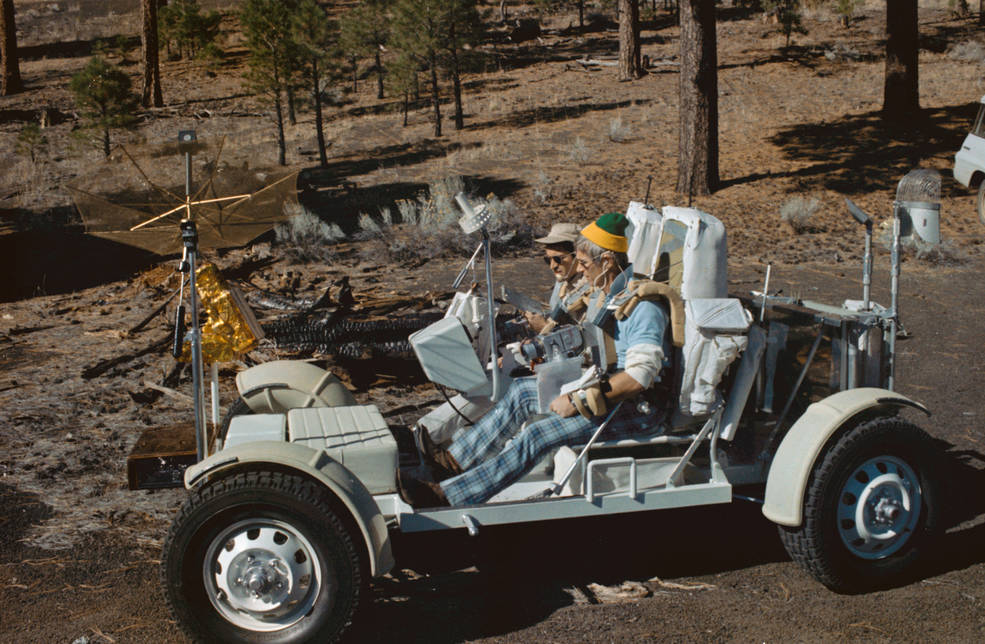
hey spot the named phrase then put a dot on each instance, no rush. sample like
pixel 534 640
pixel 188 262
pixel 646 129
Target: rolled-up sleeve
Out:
pixel 640 341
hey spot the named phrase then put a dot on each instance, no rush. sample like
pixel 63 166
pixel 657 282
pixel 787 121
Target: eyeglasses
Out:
pixel 550 260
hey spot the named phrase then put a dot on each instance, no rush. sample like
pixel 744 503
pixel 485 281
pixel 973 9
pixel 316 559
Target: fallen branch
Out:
pixel 153 313
pixel 671 584
pixel 168 391
pixel 595 61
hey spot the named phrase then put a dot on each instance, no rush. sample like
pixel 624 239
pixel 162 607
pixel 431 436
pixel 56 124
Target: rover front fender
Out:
pixel 280 385
pixel 318 466
pixel 791 466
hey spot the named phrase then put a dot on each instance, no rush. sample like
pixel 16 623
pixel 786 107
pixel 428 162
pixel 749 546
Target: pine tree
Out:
pixel 103 93
pixel 462 27
pixel 364 32
pixel 10 71
pixel 418 34
pixel 150 93
pixel 402 79
pixel 192 33
pixel 273 55
pixel 630 60
pixel 901 88
pixel 697 163
pixel 316 36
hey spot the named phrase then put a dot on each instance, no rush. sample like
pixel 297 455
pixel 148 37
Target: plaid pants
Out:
pixel 492 466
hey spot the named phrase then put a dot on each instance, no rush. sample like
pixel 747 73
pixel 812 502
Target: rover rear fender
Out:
pixel 290 384
pixel 318 466
pixel 791 466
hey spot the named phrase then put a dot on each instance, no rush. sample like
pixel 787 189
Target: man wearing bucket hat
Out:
pixel 559 254
pixel 480 463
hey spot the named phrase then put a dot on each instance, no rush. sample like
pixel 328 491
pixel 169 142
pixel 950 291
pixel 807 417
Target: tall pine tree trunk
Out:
pixel 291 116
pixel 435 98
pixel 697 165
pixel 630 67
pixel 281 143
pixel 10 74
pixel 379 75
pixel 319 127
pixel 456 79
pixel 406 106
pixel 901 93
pixel 104 112
pixel 151 91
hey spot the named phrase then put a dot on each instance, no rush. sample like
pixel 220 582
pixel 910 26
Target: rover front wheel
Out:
pixel 870 509
pixel 262 557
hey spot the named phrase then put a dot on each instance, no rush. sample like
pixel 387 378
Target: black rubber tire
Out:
pixel 302 505
pixel 238 408
pixel 980 201
pixel 817 545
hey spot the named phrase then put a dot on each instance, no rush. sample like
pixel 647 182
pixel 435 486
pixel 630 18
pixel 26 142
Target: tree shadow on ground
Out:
pixel 529 571
pixel 863 152
pixel 387 156
pixel 551 114
pixel 326 193
pixel 812 57
pixel 47 262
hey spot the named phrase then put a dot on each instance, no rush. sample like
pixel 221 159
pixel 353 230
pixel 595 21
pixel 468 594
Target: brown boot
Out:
pixel 443 465
pixel 420 493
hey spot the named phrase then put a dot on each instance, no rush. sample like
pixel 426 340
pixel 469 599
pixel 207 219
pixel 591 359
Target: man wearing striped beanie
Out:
pixel 479 463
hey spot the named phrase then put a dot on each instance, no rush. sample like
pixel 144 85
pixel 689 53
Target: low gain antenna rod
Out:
pixel 189 263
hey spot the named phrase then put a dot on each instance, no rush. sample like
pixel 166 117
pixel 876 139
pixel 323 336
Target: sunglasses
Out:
pixel 551 259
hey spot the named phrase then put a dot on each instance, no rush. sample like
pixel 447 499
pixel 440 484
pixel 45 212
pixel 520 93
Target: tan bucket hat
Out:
pixel 561 233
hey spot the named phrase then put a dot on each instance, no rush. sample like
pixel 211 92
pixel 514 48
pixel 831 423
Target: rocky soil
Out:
pixel 79 552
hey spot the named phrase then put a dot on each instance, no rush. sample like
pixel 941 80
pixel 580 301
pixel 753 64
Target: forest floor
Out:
pixel 79 552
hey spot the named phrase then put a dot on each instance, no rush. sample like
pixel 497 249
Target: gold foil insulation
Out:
pixel 230 329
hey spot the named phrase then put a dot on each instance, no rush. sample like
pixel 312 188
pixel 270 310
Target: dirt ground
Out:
pixel 79 552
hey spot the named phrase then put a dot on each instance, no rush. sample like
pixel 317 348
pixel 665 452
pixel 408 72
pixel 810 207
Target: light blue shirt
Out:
pixel 647 324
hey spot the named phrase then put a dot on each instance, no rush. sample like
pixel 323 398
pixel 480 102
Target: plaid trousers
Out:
pixel 491 465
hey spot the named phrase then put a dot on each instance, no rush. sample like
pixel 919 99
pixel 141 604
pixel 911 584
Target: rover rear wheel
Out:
pixel 870 509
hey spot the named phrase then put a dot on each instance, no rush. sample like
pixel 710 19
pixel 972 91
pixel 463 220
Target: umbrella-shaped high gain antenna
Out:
pixel 200 219
pixel 231 207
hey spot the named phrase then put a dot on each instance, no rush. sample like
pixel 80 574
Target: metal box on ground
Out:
pixel 160 456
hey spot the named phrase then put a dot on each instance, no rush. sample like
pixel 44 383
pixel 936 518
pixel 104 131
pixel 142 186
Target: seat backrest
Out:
pixel 685 248
pixel 696 259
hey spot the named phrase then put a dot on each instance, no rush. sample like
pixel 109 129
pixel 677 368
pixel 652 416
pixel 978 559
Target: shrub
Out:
pixel 798 213
pixel 946 253
pixel 618 132
pixel 31 142
pixel 580 153
pixel 543 187
pixel 970 51
pixel 428 225
pixel 305 237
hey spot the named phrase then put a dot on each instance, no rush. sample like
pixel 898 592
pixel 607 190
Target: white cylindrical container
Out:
pixel 924 219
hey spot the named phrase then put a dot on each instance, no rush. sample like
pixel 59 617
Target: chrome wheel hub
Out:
pixel 879 507
pixel 262 574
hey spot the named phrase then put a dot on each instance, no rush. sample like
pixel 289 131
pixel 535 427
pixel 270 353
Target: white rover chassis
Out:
pixel 287 522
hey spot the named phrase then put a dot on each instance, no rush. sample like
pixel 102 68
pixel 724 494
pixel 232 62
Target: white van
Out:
pixel 969 162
